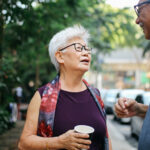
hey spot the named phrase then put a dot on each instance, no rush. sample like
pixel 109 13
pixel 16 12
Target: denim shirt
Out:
pixel 144 140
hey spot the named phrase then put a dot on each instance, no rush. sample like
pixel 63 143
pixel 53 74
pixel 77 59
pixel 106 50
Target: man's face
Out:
pixel 144 18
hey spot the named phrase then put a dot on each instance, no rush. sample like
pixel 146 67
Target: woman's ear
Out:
pixel 59 57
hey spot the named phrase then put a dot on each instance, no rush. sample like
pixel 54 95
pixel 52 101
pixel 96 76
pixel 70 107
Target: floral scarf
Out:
pixel 48 107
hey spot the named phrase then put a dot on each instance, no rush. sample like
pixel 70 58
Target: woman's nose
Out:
pixel 85 52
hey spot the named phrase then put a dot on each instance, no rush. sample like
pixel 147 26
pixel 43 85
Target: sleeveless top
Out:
pixel 144 140
pixel 77 108
pixel 47 110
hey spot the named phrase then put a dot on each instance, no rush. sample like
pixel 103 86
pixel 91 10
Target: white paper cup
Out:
pixel 85 129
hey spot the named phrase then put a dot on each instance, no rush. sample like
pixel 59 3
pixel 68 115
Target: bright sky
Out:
pixel 122 3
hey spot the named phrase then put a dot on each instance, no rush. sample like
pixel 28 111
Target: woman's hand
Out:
pixel 74 141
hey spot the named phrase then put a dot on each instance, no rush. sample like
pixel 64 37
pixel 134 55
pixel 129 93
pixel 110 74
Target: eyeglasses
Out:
pixel 137 7
pixel 78 47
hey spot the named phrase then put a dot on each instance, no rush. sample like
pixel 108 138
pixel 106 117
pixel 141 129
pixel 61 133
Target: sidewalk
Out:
pixel 118 140
pixel 9 140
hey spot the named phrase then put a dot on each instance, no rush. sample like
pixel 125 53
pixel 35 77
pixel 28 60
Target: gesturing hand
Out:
pixel 126 107
pixel 74 141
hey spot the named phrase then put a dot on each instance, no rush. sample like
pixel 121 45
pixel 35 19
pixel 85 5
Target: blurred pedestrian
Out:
pixel 19 96
pixel 128 107
pixel 67 101
pixel 12 108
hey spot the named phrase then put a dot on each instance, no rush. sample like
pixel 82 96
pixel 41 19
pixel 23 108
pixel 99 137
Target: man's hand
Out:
pixel 126 108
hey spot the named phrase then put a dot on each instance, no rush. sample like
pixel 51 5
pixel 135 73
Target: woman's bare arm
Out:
pixel 30 141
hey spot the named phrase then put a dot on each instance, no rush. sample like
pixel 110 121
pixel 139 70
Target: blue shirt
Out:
pixel 144 140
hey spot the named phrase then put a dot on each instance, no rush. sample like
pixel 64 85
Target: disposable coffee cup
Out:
pixel 84 129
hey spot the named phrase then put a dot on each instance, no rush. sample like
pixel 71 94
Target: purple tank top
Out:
pixel 78 108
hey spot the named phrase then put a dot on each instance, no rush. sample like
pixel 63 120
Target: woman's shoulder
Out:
pixel 96 90
pixel 41 89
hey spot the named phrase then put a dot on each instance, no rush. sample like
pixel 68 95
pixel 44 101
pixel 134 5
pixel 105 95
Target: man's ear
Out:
pixel 59 57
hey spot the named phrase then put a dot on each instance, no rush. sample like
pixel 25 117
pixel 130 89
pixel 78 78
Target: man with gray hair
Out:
pixel 128 107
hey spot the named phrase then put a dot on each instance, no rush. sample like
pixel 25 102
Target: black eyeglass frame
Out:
pixel 136 7
pixel 82 46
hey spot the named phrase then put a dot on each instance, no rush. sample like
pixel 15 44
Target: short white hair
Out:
pixel 60 39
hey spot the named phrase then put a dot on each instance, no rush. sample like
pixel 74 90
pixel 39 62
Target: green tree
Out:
pixel 26 38
pixel 11 12
pixel 27 26
pixel 33 23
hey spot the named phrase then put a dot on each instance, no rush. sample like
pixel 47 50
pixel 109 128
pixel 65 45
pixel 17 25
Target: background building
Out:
pixel 122 68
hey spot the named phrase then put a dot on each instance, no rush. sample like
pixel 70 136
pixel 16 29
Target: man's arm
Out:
pixel 127 108
pixel 142 110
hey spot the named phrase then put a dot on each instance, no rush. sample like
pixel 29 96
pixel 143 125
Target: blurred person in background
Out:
pixel 18 96
pixel 67 101
pixel 128 107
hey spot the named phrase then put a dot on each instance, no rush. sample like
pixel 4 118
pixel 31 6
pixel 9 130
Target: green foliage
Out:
pixel 29 25
pixel 112 27
pixel 8 79
pixel 14 10
pixel 4 120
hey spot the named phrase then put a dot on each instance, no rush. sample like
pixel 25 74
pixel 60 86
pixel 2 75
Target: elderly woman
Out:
pixel 67 101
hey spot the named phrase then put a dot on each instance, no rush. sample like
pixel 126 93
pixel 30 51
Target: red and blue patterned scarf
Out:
pixel 48 107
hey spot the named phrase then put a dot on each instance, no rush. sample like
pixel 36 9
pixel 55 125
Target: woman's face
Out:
pixel 73 58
